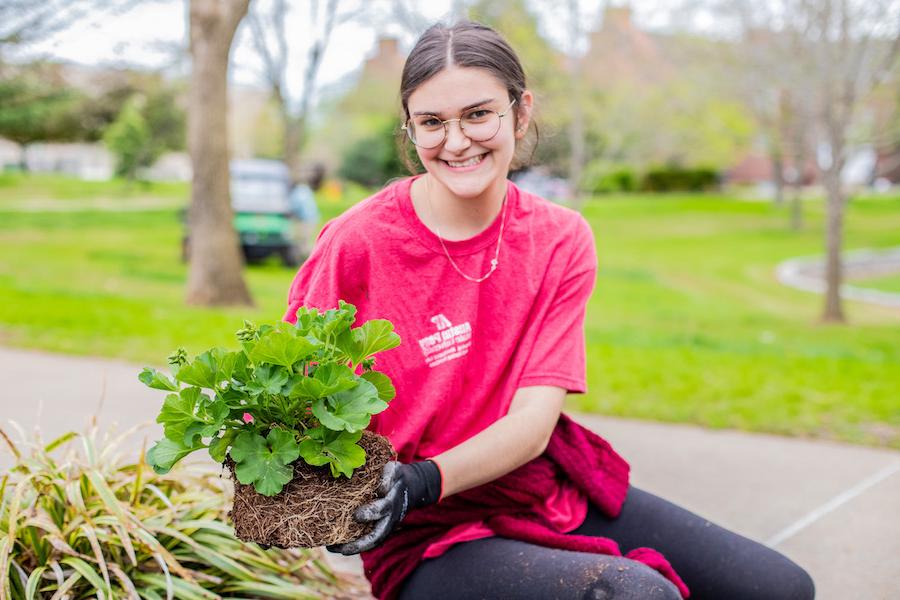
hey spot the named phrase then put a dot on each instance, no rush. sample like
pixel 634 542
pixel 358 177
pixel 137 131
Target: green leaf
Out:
pixel 382 383
pixel 233 396
pixel 335 378
pixel 328 379
pixel 338 449
pixel 374 336
pixel 350 410
pixel 265 462
pixel 213 412
pixel 335 321
pixel 231 365
pixel 88 572
pixel 156 380
pixel 166 452
pixel 179 411
pixel 211 417
pixel 218 447
pixel 281 346
pixel 34 580
pixel 267 379
pixel 202 371
pixel 307 320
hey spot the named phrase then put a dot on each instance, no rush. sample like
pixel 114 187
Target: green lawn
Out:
pixel 16 186
pixel 888 283
pixel 687 322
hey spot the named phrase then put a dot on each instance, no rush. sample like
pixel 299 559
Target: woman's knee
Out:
pixel 625 579
pixel 796 584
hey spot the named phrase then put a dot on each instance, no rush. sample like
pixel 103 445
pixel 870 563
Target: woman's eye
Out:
pixel 430 122
pixel 477 115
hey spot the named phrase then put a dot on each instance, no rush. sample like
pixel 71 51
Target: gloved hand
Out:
pixel 402 487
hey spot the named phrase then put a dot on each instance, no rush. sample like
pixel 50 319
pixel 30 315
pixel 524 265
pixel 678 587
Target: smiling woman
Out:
pixel 494 489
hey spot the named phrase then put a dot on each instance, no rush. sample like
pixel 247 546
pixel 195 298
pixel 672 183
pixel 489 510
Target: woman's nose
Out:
pixel 456 137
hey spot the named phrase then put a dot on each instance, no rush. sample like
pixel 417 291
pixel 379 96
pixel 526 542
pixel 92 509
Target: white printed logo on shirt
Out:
pixel 447 343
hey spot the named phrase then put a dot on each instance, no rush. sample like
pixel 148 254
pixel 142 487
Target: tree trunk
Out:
pixel 215 273
pixel 778 176
pixel 798 175
pixel 576 127
pixel 293 142
pixel 834 312
pixel 576 138
pixel 796 207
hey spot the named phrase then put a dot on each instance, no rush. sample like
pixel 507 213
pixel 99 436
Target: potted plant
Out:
pixel 286 414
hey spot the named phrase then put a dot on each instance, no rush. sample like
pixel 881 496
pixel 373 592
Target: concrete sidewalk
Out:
pixel 832 508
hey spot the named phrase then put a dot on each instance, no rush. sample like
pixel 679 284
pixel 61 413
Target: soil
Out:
pixel 315 508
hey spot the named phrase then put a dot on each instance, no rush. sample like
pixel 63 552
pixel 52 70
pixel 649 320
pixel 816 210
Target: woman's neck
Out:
pixel 452 217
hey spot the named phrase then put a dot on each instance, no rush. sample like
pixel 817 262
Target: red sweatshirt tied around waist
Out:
pixel 576 453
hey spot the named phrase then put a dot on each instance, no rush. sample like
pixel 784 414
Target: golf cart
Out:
pixel 262 216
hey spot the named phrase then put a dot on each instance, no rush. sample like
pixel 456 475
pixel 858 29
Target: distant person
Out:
pixel 496 493
pixel 305 211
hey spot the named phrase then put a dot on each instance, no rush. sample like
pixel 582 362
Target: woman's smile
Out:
pixel 467 164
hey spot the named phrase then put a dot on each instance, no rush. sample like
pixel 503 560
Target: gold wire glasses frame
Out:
pixel 477 124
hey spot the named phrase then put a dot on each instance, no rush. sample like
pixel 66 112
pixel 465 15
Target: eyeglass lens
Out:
pixel 478 125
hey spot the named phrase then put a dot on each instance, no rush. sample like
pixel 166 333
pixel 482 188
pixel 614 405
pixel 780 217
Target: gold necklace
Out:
pixel 494 261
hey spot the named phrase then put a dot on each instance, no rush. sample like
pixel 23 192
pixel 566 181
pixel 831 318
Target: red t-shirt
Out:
pixel 467 347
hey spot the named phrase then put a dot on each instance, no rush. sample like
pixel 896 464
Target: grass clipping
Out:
pixel 315 508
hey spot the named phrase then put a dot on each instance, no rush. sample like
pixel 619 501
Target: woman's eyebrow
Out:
pixel 464 109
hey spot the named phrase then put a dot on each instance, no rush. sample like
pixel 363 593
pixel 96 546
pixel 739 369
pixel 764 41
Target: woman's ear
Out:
pixel 523 113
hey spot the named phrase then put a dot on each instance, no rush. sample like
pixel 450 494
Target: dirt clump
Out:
pixel 315 508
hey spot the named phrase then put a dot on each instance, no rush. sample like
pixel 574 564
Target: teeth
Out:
pixel 472 161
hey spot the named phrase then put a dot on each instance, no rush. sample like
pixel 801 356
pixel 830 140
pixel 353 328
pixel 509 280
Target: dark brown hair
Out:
pixel 464 44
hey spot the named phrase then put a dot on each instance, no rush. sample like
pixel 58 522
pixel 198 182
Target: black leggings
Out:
pixel 714 563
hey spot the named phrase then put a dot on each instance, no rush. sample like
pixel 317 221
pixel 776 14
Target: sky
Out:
pixel 153 35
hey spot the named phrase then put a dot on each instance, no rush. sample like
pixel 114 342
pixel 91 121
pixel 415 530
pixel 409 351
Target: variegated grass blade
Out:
pixel 77 521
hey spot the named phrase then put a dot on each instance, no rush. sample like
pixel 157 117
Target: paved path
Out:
pixel 808 274
pixel 833 508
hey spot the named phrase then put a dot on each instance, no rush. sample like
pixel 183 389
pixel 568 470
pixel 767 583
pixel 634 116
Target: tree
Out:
pixel 854 46
pixel 546 76
pixel 146 126
pixel 764 66
pixel 822 62
pixel 270 39
pixel 32 110
pixel 128 138
pixel 576 126
pixel 215 271
pixel 24 21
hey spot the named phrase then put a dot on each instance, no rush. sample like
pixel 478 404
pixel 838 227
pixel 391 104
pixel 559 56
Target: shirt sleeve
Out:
pixel 558 356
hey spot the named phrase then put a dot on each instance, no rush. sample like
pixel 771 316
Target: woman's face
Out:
pixel 467 168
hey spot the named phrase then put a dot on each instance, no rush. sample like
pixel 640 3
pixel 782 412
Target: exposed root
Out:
pixel 314 509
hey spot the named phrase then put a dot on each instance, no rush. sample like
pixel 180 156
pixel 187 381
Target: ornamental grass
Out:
pixel 77 521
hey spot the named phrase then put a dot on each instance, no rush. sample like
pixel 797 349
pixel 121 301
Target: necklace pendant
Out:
pixel 493 264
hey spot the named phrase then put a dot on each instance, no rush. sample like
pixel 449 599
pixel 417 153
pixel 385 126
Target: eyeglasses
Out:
pixel 478 124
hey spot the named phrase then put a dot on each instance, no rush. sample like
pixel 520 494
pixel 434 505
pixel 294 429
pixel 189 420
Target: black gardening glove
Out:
pixel 402 487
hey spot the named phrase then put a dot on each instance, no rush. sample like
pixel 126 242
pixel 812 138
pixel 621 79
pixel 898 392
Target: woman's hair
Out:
pixel 464 44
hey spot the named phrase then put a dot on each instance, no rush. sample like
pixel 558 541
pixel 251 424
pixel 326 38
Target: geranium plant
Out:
pixel 290 391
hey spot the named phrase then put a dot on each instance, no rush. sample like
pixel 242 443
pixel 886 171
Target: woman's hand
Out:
pixel 402 487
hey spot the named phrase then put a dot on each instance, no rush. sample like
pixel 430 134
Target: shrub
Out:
pixel 82 524
pixel 373 160
pixel 676 179
pixel 601 177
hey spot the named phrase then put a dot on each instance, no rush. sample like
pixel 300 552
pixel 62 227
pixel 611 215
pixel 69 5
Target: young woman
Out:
pixel 495 493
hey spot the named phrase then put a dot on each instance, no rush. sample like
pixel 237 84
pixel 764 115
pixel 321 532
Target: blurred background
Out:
pixel 165 166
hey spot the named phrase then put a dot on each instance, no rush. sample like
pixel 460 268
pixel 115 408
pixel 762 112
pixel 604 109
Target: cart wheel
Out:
pixel 291 256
